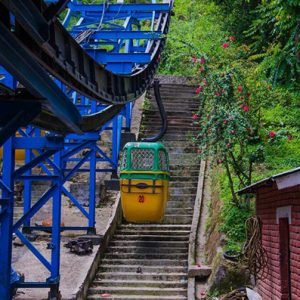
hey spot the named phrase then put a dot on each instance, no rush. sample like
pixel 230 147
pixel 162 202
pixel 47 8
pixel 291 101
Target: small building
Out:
pixel 278 207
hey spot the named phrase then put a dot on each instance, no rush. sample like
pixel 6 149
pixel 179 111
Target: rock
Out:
pixel 227 276
pixel 17 242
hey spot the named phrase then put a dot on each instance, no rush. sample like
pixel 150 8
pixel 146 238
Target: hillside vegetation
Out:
pixel 245 58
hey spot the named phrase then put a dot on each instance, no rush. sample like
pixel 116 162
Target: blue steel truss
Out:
pixel 119 36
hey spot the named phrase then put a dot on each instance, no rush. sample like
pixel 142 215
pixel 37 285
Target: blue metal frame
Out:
pixel 129 45
pixel 99 25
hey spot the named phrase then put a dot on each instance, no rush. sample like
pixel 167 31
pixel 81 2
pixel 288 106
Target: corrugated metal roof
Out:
pixel 251 188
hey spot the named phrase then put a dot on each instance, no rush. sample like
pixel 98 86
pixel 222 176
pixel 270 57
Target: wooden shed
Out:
pixel 278 207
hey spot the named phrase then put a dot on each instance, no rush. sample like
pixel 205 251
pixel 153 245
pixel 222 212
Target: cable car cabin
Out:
pixel 144 182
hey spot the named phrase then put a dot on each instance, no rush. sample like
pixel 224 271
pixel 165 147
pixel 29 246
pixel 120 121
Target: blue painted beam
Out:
pixel 110 34
pixel 90 16
pixel 104 57
pixel 39 143
pixel 117 68
pixel 119 8
pixel 6 221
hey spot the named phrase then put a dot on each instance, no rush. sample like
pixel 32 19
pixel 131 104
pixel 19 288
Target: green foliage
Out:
pixel 237 15
pixel 194 30
pixel 248 91
pixel 272 29
pixel 234 219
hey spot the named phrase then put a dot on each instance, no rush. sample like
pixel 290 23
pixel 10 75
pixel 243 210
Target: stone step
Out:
pixel 175 155
pixel 145 249
pixel 182 190
pixel 189 197
pixel 149 237
pixel 174 138
pixel 187 184
pixel 179 211
pixel 146 255
pixel 179 183
pixel 152 243
pixel 174 117
pixel 155 226
pixel 177 219
pixel 185 121
pixel 185 167
pixel 142 283
pixel 135 297
pixel 185 126
pixel 168 97
pixel 184 172
pixel 186 132
pixel 138 290
pixel 171 111
pixel 147 269
pixel 144 262
pixel 175 88
pixel 180 204
pixel 157 231
pixel 183 179
pixel 142 276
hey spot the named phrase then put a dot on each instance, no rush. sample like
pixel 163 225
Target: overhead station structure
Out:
pixel 68 72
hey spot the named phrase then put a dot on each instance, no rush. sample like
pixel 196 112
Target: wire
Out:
pixel 254 252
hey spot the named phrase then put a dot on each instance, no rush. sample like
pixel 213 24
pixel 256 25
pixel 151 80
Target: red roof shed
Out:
pixel 278 206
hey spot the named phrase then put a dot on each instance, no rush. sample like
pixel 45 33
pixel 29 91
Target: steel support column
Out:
pixel 6 225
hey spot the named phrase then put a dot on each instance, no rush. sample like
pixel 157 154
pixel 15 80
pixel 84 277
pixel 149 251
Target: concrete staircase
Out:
pixel 150 261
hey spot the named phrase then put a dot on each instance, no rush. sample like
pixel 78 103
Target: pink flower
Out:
pixel 240 88
pixel 231 38
pixel 272 134
pixel 217 94
pixel 202 61
pixel 194 59
pixel 225 122
pixel 201 69
pixel 199 89
pixel 195 117
pixel 290 137
pixel 246 108
pixel 225 45
pixel 232 132
pixel 228 145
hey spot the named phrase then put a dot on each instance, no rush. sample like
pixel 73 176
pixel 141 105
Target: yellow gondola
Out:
pixel 144 182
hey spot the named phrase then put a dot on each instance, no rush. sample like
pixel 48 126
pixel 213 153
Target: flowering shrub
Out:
pixel 229 130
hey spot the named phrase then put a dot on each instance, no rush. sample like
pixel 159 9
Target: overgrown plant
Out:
pixel 229 128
